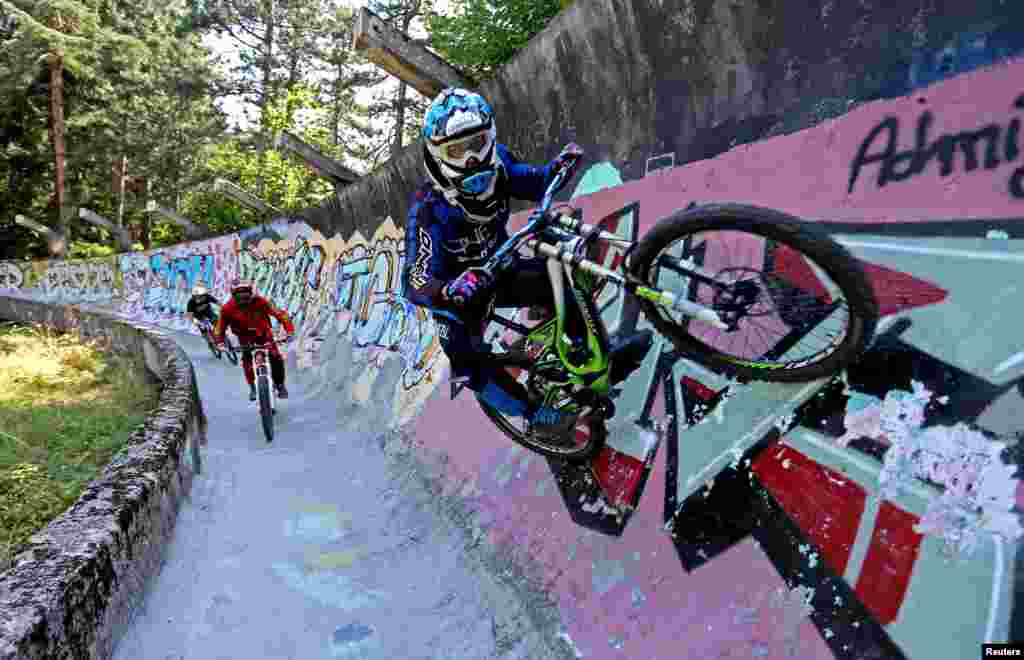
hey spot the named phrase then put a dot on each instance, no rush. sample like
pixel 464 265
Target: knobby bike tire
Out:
pixel 266 412
pixel 211 344
pixel 230 351
pixel 831 257
pixel 598 433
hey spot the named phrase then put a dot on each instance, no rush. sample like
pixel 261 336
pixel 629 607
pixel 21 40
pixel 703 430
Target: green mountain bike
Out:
pixel 748 292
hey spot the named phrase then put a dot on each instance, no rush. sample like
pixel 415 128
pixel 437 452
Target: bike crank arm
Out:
pixel 564 254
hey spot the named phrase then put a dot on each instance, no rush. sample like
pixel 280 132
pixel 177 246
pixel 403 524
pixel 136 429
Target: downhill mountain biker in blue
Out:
pixel 457 221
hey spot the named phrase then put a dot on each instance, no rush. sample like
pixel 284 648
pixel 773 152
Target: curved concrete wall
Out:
pixel 679 81
pixel 70 593
pixel 874 516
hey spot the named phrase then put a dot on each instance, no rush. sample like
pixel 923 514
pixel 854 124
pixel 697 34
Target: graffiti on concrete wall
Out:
pixel 73 281
pixel 331 287
pixel 857 504
pixel 11 276
pixel 987 147
pixel 877 494
pixel 352 288
pixel 156 285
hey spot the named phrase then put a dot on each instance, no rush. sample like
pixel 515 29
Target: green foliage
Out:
pixel 140 83
pixel 66 409
pixel 135 86
pixel 87 250
pixel 478 36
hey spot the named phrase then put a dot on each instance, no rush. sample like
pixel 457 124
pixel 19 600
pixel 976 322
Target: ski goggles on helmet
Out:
pixel 461 152
pixel 457 150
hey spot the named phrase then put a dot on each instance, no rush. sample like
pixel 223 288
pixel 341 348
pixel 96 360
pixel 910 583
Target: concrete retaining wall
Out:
pixel 70 593
pixel 875 515
pixel 685 80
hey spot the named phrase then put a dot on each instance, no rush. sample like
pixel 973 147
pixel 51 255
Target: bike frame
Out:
pixel 563 241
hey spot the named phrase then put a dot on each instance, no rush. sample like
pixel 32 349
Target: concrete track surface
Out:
pixel 317 546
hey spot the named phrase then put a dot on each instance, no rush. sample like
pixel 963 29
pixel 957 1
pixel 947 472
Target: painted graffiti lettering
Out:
pixel 418 276
pixel 895 166
pixel 368 308
pixel 86 281
pixel 289 277
pixel 10 276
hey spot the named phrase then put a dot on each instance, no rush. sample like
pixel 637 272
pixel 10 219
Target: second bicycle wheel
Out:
pixel 798 304
pixel 213 346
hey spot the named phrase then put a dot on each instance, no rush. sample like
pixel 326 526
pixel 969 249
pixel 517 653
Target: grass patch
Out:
pixel 66 408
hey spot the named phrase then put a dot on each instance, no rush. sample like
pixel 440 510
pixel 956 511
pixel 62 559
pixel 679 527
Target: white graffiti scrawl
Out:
pixel 11 276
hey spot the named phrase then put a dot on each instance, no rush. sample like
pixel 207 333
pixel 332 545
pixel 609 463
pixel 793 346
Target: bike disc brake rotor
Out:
pixel 746 294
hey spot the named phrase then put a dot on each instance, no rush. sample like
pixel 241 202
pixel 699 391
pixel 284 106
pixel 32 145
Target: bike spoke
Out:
pixel 773 296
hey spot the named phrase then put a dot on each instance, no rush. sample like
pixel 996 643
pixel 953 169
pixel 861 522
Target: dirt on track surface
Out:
pixel 313 547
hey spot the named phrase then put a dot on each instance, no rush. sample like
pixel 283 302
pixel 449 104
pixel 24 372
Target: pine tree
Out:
pixel 60 35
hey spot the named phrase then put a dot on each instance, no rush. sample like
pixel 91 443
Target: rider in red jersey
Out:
pixel 248 316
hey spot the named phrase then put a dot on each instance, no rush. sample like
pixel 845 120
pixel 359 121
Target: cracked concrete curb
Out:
pixel 70 593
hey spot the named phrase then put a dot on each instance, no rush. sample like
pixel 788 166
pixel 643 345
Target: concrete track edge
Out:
pixel 70 594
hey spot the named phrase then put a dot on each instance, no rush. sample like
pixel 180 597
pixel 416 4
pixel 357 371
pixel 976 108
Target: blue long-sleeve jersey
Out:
pixel 440 243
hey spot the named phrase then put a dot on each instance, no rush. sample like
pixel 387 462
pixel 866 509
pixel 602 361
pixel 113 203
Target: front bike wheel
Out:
pixel 266 407
pixel 798 304
pixel 230 351
pixel 211 344
pixel 584 441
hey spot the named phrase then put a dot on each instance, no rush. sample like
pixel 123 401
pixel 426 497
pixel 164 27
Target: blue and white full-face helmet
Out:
pixel 460 154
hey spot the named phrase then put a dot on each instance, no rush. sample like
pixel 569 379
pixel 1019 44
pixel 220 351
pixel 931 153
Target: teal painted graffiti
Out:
pixel 174 279
pixel 368 286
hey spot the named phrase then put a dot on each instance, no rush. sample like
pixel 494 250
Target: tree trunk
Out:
pixel 396 144
pixel 123 172
pixel 56 63
pixel 336 118
pixel 268 92
pixel 147 231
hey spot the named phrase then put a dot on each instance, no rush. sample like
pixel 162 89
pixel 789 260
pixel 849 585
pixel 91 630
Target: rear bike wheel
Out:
pixel 266 407
pixel 586 437
pixel 787 286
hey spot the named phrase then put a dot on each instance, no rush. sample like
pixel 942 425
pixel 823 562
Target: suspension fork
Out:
pixel 565 255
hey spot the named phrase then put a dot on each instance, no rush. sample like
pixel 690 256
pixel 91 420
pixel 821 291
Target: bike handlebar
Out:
pixel 537 222
pixel 267 344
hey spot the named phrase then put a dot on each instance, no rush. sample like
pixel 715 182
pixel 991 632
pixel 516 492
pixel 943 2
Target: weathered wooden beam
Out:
pixel 410 62
pixel 56 242
pixel 121 235
pixel 192 229
pixel 324 166
pixel 225 187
